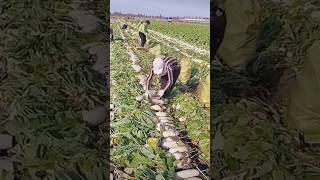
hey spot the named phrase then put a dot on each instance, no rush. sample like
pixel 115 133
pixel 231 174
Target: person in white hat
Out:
pixel 168 69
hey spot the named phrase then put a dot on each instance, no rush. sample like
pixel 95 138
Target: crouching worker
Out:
pixel 124 26
pixel 111 34
pixel 168 69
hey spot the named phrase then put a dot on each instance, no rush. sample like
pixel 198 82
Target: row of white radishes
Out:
pixel 171 140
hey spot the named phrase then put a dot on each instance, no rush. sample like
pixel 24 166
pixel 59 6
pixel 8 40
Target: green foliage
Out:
pixel 195 34
pixel 49 81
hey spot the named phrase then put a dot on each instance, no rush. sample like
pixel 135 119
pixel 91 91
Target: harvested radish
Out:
pixel 139 98
pixel 161 114
pixel 168 124
pixel 111 176
pixel 136 68
pixel 158 127
pixel 168 128
pixel 168 145
pixel 184 163
pixel 170 133
pixel 168 139
pixel 112 106
pixel 165 121
pixel 187 173
pixel 156 107
pixel 156 101
pixel 165 117
pixel 180 155
pixel 193 178
pixel 178 149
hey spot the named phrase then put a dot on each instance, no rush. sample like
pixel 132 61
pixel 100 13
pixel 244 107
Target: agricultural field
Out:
pixel 137 141
pixel 197 34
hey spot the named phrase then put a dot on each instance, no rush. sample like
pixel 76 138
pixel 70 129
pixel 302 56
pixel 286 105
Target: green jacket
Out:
pixel 142 27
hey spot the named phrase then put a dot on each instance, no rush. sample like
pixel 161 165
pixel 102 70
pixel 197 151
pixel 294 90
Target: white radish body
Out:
pixel 170 133
pixel 179 155
pixel 112 106
pixel 139 98
pixel 161 114
pixel 169 145
pixel 136 68
pixel 168 139
pixel 178 149
pixel 111 176
pixel 156 108
pixel 187 173
pixel 183 163
pixel 168 128
pixel 193 178
pixel 165 121
pixel 158 127
pixel 157 101
pixel 165 117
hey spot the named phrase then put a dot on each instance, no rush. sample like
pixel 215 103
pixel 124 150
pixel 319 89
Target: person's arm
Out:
pixel 140 22
pixel 146 30
pixel 170 78
pixel 148 81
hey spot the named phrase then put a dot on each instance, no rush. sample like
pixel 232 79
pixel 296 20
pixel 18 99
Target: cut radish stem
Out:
pixel 170 133
pixel 187 173
pixel 178 149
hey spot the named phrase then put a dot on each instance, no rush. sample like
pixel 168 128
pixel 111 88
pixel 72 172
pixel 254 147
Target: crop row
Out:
pixel 133 136
pixel 183 104
pixel 196 34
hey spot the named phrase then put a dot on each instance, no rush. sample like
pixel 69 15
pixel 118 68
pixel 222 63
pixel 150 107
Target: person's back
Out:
pixel 143 28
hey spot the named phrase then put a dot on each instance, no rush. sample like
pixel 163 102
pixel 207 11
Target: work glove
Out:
pixel 149 93
pixel 160 92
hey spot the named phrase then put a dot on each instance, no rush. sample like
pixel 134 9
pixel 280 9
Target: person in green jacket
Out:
pixel 143 30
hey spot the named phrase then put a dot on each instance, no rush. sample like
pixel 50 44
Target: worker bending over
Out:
pixel 168 69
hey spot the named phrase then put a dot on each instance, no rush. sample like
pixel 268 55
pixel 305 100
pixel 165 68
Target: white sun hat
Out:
pixel 158 64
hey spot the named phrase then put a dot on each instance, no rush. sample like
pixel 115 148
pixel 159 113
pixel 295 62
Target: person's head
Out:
pixel 147 22
pixel 158 64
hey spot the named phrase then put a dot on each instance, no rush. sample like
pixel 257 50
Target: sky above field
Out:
pixel 162 7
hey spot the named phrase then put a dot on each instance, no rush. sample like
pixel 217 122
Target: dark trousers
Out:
pixel 143 39
pixel 111 37
pixel 164 79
